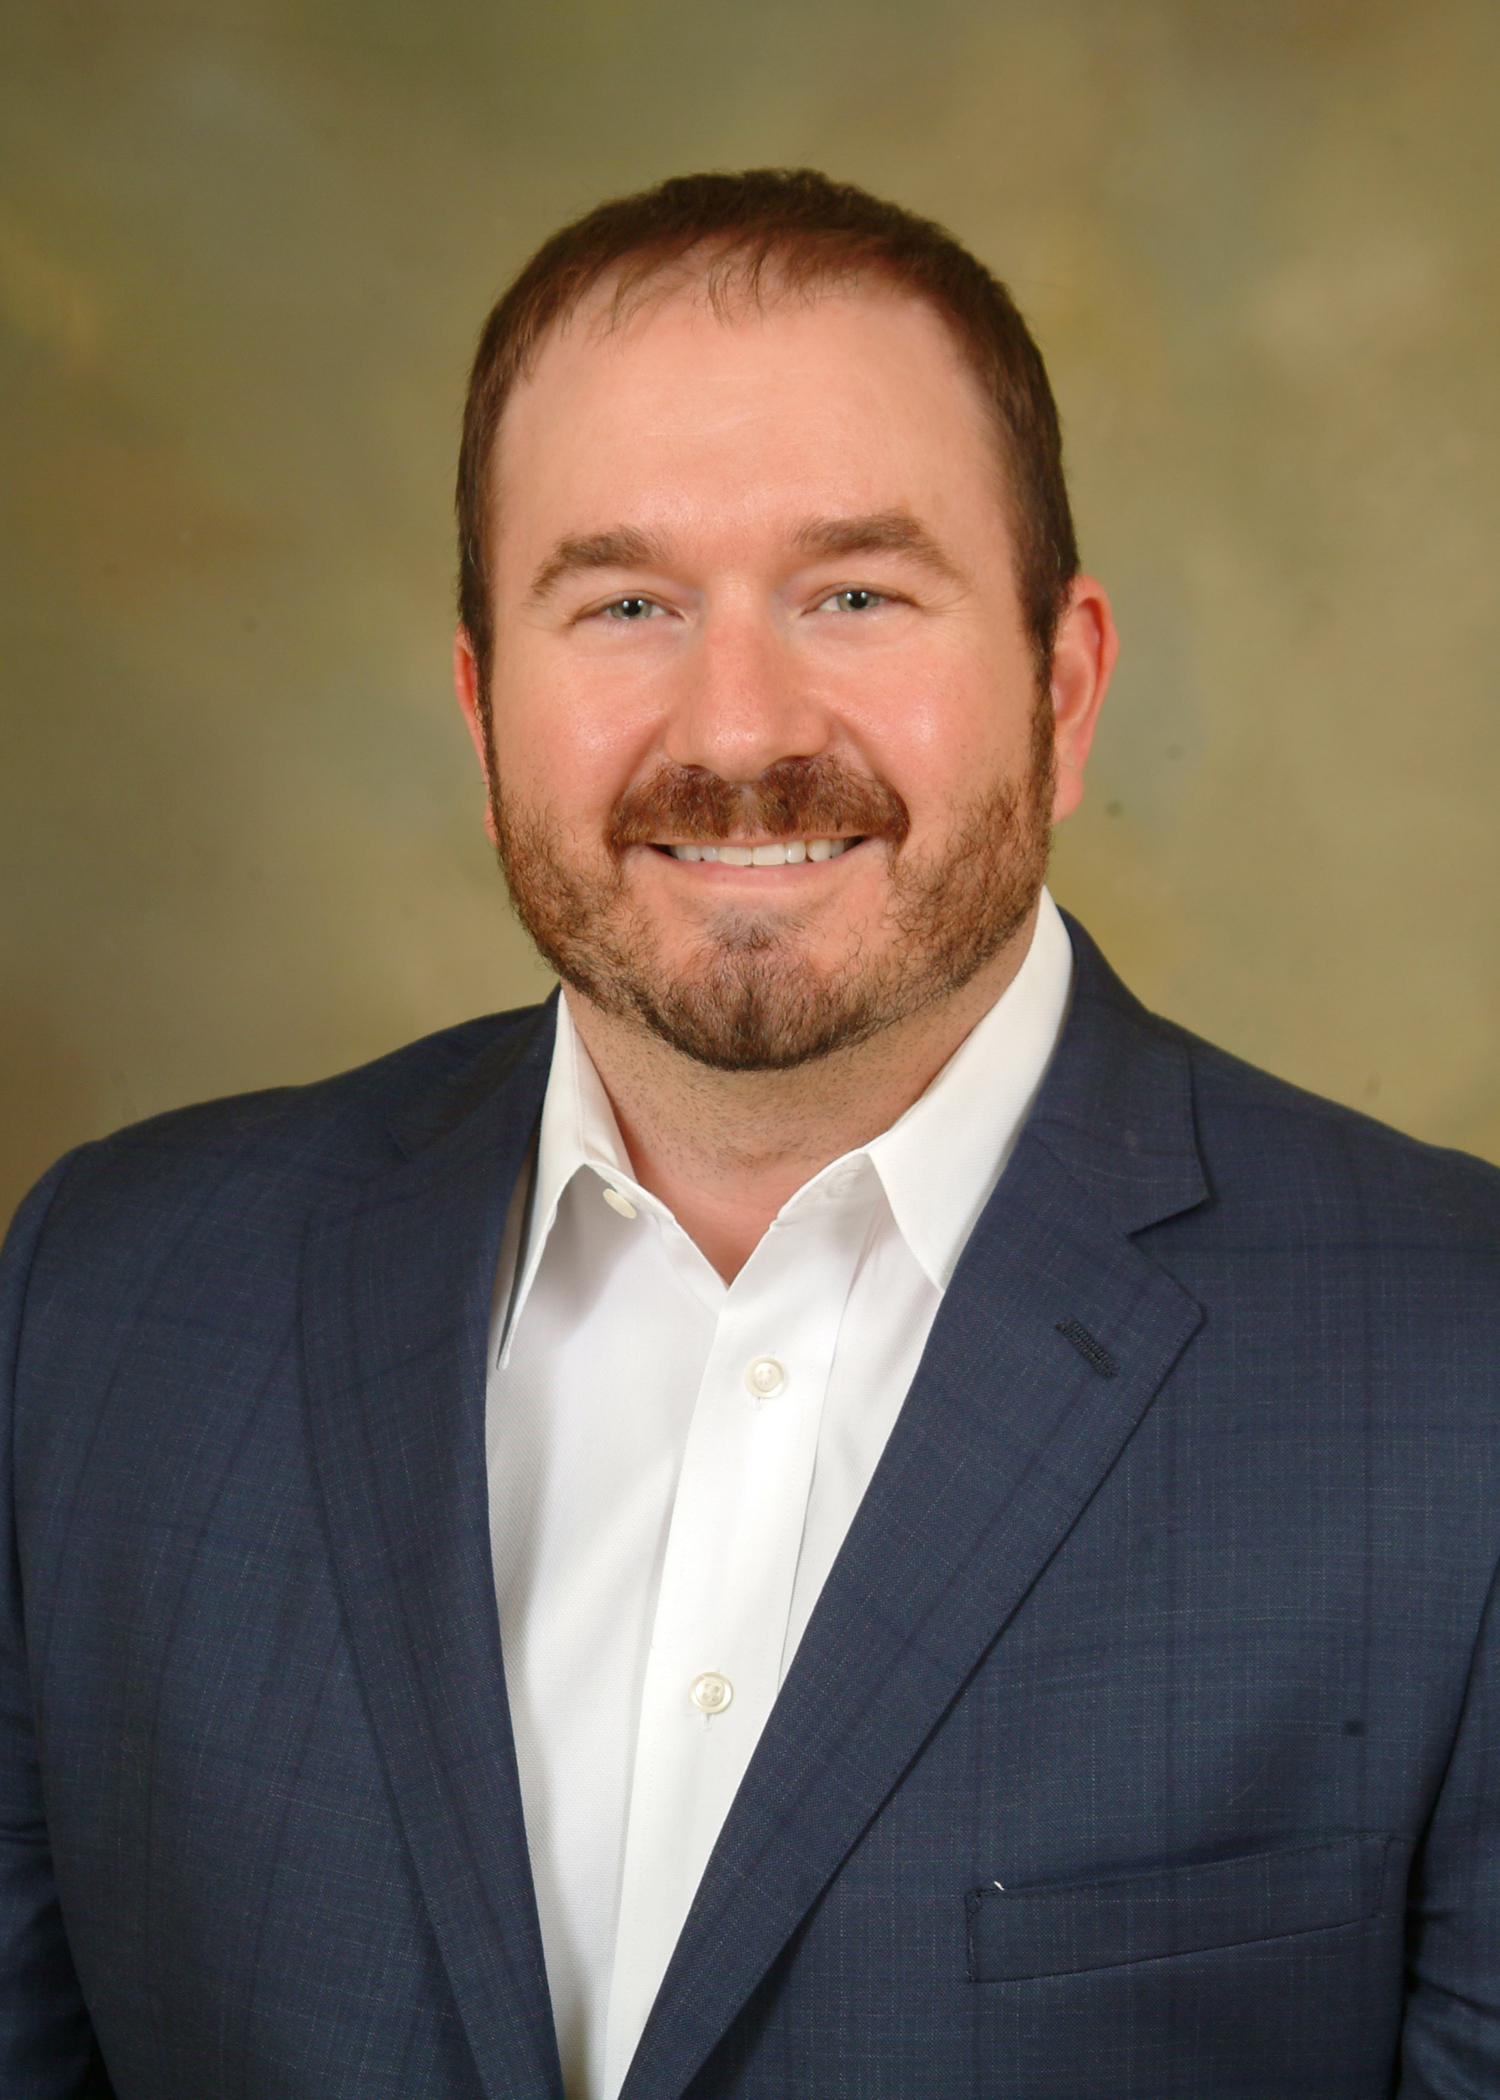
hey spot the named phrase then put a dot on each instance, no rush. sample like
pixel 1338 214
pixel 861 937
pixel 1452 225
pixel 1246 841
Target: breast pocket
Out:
pixel 1019 1933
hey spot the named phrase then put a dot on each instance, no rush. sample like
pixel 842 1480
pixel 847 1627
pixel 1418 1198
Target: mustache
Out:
pixel 794 798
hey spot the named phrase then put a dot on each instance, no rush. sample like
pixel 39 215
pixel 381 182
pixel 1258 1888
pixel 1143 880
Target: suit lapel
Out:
pixel 1009 1428
pixel 396 1305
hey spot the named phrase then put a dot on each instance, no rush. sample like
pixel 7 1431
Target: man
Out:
pixel 839 1511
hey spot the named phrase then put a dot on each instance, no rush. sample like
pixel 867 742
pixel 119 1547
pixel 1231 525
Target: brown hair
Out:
pixel 815 232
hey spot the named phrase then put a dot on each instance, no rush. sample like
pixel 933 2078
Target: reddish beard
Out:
pixel 750 1001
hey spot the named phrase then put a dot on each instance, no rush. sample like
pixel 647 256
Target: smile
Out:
pixel 782 853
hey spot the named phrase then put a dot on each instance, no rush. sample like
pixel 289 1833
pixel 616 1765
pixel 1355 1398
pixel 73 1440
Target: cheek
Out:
pixel 940 732
pixel 561 741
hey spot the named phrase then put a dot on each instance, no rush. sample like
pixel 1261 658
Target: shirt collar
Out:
pixel 940 1162
pixel 579 1133
pixel 937 1165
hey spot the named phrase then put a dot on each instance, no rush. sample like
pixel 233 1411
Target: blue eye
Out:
pixel 631 609
pixel 856 600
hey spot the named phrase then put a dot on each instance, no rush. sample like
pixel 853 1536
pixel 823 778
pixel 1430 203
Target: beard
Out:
pixel 749 999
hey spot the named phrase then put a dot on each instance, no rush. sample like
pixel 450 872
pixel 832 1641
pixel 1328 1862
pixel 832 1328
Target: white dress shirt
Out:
pixel 673 1464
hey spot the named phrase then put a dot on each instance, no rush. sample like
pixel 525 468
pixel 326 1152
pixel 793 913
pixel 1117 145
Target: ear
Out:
pixel 466 685
pixel 1082 659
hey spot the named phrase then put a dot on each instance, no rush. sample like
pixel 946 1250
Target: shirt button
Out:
pixel 711 1693
pixel 619 1202
pixel 764 1377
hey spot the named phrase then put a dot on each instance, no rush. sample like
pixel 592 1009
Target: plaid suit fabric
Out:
pixel 1142 1743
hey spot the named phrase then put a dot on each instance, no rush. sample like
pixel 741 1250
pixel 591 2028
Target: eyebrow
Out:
pixel 881 532
pixel 626 547
pixel 621 548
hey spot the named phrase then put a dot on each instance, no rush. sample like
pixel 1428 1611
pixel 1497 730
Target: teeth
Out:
pixel 783 854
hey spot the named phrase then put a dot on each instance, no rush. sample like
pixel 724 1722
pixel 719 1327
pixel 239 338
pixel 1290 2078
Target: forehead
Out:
pixel 856 395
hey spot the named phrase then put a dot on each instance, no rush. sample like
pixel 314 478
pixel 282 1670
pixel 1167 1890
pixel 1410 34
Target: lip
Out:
pixel 805 864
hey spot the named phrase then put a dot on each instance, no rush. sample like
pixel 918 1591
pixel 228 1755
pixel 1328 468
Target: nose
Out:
pixel 742 704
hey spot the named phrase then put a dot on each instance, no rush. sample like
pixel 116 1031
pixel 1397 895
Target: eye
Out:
pixel 854 600
pixel 631 609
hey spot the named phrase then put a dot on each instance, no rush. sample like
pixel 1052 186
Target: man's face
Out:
pixel 754 592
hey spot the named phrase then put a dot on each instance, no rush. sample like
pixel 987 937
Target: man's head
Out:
pixel 765 543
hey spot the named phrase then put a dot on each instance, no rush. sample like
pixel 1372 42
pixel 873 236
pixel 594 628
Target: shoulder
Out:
pixel 1269 1153
pixel 267 1153
pixel 1269 1143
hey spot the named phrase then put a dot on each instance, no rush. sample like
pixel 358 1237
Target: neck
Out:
pixel 725 1150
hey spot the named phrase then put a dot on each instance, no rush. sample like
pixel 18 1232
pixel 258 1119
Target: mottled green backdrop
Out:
pixel 244 249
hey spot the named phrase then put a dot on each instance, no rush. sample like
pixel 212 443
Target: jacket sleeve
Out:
pixel 47 2049
pixel 1451 2039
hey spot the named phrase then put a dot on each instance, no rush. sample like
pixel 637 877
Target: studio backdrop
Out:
pixel 245 247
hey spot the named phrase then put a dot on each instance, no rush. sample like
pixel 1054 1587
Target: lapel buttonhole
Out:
pixel 1092 1352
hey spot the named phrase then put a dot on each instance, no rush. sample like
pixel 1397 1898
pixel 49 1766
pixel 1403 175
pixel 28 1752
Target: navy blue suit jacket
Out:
pixel 1143 1742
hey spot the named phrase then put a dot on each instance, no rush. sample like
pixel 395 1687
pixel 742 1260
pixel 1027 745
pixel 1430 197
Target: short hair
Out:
pixel 810 233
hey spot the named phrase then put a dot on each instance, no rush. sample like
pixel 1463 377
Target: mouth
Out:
pixel 774 853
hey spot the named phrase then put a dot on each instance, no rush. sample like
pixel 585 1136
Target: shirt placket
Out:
pixel 727 1582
